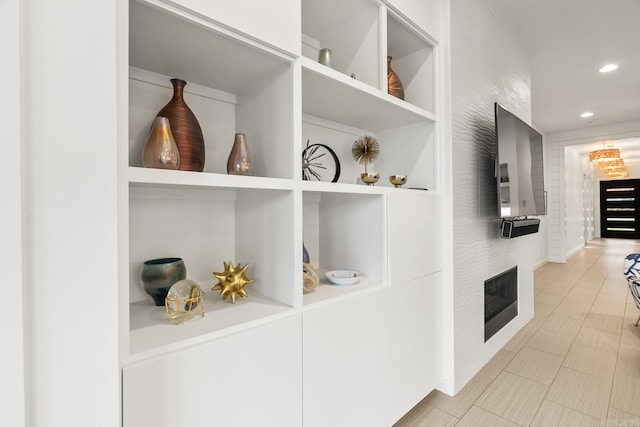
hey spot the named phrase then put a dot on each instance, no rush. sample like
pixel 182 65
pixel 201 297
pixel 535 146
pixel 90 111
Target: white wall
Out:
pixel 12 397
pixel 559 240
pixel 70 220
pixel 487 67
pixel 577 168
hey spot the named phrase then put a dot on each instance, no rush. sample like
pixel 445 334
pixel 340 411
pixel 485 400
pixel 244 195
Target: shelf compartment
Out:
pixel 344 231
pixel 232 86
pixel 411 151
pixel 151 330
pixel 351 30
pixel 413 62
pixel 333 96
pixel 208 226
pixel 406 150
pixel 173 42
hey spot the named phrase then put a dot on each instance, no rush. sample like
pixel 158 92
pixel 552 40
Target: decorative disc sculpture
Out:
pixel 317 164
pixel 232 281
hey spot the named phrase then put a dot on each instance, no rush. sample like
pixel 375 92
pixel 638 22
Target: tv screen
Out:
pixel 519 166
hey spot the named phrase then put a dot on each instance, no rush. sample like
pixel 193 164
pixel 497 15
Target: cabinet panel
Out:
pixel 276 22
pixel 346 362
pixel 249 379
pixel 416 342
pixel 415 235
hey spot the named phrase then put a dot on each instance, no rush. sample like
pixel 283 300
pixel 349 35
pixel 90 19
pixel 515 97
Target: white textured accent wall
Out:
pixel 487 67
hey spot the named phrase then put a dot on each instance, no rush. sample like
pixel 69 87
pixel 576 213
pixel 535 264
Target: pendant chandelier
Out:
pixel 604 155
pixel 617 173
pixel 611 164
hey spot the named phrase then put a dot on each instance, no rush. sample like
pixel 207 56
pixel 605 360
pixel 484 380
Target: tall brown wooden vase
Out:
pixel 185 128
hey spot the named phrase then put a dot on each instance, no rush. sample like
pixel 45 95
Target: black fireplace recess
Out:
pixel 500 301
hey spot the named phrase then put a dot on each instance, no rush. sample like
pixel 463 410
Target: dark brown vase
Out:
pixel 394 84
pixel 185 128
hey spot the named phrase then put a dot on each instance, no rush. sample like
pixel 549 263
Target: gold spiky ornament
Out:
pixel 232 281
pixel 365 150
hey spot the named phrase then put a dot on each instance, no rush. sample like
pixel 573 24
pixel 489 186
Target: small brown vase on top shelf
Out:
pixel 394 85
pixel 186 129
pixel 161 151
pixel 239 162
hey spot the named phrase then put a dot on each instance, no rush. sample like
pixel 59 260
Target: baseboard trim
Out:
pixel 447 387
pixel 575 250
pixel 540 264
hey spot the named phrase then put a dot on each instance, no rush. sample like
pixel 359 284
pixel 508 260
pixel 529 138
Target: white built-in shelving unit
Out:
pixel 244 74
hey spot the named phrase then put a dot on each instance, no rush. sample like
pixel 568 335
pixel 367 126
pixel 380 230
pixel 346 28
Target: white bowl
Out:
pixel 343 277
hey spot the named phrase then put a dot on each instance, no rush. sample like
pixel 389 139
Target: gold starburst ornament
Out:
pixel 365 150
pixel 232 281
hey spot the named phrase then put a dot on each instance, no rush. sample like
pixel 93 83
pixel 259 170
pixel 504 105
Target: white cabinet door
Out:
pixel 252 378
pixel 275 22
pixel 346 363
pixel 426 14
pixel 416 341
pixel 415 235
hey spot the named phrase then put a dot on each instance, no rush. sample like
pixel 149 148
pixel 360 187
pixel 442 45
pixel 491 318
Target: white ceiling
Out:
pixel 567 42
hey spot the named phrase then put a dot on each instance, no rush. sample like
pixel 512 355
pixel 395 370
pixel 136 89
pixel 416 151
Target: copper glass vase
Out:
pixel 394 85
pixel 186 129
pixel 161 151
pixel 239 162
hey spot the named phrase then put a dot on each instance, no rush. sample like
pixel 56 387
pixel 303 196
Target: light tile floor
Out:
pixel 576 363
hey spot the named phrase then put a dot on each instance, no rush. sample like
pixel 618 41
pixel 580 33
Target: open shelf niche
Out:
pixel 232 86
pixel 408 149
pixel 207 227
pixel 412 55
pixel 351 30
pixel 344 231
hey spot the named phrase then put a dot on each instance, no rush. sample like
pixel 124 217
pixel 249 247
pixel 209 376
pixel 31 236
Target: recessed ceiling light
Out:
pixel 608 68
pixel 586 114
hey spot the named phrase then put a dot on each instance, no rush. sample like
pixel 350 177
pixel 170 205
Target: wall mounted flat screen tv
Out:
pixel 520 173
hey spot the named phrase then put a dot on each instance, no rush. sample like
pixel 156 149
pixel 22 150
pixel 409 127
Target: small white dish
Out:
pixel 343 277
